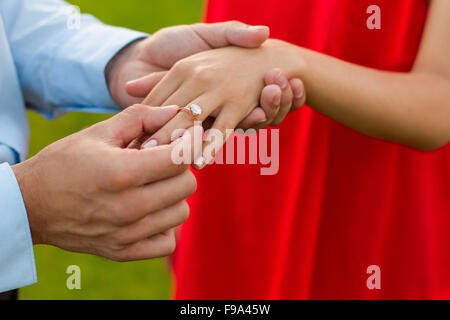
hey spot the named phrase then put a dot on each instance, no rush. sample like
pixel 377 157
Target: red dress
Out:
pixel 341 201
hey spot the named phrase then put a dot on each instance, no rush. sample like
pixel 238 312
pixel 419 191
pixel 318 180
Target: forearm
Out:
pixel 408 108
pixel 61 66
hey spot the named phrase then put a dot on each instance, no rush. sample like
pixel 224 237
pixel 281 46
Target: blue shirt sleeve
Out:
pixel 60 55
pixel 60 63
pixel 17 265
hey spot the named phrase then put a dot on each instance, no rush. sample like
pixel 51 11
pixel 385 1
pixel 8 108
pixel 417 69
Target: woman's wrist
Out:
pixel 287 57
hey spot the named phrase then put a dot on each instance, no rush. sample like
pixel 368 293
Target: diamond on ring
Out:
pixel 194 109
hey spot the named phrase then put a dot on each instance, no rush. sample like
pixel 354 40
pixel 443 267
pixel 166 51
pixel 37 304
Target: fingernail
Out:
pixel 299 93
pixel 276 101
pixel 282 81
pixel 150 144
pixel 137 80
pixel 265 119
pixel 200 162
pixel 257 27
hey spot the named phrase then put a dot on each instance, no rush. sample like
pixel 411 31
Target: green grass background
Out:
pixel 100 278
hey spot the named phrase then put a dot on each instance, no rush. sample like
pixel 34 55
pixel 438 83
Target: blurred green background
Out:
pixel 100 278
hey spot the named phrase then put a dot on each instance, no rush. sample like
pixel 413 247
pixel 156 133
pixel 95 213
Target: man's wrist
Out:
pixel 23 177
pixel 114 68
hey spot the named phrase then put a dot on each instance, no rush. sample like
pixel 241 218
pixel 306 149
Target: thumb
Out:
pixel 234 33
pixel 137 120
pixel 256 118
pixel 141 87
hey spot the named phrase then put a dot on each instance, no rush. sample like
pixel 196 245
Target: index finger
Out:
pixel 161 162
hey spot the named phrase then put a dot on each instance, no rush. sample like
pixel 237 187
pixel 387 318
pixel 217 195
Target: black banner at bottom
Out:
pixel 223 309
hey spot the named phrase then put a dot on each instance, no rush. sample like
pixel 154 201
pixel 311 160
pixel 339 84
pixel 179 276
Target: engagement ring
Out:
pixel 194 110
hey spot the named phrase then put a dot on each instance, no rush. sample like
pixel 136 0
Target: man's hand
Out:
pixel 148 60
pixel 89 193
pixel 158 53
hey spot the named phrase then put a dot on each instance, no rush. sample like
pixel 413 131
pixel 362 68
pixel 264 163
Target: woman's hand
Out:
pixel 278 95
pixel 227 84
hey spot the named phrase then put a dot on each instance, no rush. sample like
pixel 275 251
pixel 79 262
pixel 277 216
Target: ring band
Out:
pixel 194 110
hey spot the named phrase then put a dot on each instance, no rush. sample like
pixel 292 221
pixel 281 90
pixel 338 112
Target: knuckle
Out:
pixel 137 108
pixel 170 247
pixel 235 23
pixel 203 75
pixel 120 180
pixel 116 218
pixel 121 216
pixel 190 182
pixel 121 239
pixel 118 257
pixel 134 111
pixel 181 67
pixel 199 25
pixel 159 226
pixel 183 212
pixel 113 252
pixel 116 247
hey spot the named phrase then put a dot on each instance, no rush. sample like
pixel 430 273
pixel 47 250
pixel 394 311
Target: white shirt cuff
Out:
pixel 17 265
